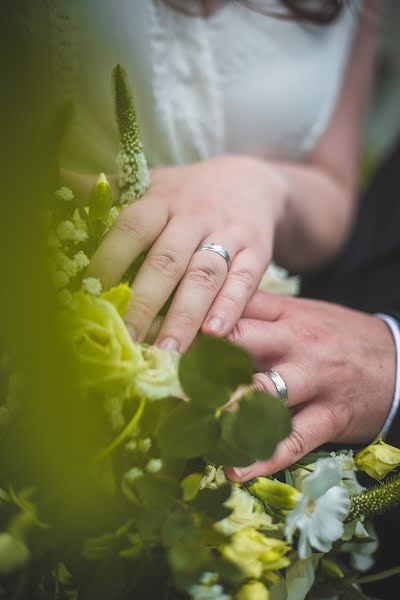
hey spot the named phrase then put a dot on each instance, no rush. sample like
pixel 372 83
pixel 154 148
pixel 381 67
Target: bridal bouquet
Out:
pixel 112 487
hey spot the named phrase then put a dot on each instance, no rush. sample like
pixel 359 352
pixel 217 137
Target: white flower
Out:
pixel 92 285
pixel 81 260
pixel 60 279
pixel 214 477
pixel 154 465
pixel 69 231
pixel 362 557
pixel 64 194
pixel 64 298
pixel 348 468
pixel 321 510
pixel 246 512
pixel 277 281
pixel 144 445
pixel 208 589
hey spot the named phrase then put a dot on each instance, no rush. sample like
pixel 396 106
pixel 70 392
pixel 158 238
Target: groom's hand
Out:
pixel 338 365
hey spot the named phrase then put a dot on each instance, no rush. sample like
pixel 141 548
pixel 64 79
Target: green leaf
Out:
pixel 312 457
pixel 229 453
pixel 211 502
pixel 191 486
pixel 212 370
pixel 257 426
pixel 188 433
pixel 156 492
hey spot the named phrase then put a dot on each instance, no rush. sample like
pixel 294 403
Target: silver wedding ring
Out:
pixel 279 384
pixel 216 248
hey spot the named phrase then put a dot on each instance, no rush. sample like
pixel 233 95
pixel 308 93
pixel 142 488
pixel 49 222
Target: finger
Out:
pixel 300 389
pixel 154 330
pixel 312 426
pixel 266 306
pixel 266 342
pixel 243 279
pixel 204 278
pixel 160 273
pixel 133 232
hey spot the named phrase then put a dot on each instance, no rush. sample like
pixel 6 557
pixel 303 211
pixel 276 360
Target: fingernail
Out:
pixel 169 344
pixel 242 472
pixel 214 325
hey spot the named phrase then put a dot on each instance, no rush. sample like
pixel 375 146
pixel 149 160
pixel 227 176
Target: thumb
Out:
pixel 312 427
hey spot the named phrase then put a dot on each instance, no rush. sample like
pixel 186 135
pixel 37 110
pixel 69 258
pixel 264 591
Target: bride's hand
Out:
pixel 235 202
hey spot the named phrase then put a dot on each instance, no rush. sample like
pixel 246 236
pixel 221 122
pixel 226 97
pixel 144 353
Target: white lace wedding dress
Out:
pixel 235 82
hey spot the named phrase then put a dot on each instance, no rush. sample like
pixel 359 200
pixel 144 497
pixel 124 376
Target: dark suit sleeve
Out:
pixel 366 275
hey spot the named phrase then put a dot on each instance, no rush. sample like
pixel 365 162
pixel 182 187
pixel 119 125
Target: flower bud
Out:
pixel 277 494
pixel 13 553
pixel 254 590
pixel 378 459
pixel 100 202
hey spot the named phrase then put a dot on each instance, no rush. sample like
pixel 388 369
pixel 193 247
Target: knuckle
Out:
pixel 205 276
pixel 307 333
pixel 296 444
pixel 338 416
pixel 260 383
pixel 166 262
pixel 131 225
pixel 238 334
pixel 245 278
pixel 183 321
pixel 232 304
pixel 141 306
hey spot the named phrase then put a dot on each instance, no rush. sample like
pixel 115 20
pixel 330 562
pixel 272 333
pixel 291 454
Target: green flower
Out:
pixel 107 354
pixel 378 459
pixel 255 554
pixel 246 512
pixel 158 377
pixel 254 590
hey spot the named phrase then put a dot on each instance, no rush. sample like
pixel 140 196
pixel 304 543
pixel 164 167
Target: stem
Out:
pixel 124 433
pixel 379 576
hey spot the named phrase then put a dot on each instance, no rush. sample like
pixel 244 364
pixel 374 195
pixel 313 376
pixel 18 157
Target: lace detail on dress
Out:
pixel 186 90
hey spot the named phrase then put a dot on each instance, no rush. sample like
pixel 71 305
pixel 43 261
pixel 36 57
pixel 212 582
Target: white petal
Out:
pixel 326 475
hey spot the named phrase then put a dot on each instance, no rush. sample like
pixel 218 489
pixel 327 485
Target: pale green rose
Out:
pixel 108 356
pixel 246 512
pixel 255 554
pixel 273 492
pixel 254 590
pixel 378 459
pixel 13 553
pixel 158 377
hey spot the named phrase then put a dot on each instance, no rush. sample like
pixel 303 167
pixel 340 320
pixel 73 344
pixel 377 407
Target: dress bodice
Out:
pixel 238 81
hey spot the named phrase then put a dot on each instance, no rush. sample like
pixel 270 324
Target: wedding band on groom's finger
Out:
pixel 272 383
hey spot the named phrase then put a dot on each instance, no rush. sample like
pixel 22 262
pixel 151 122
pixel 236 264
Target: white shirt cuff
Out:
pixel 395 330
